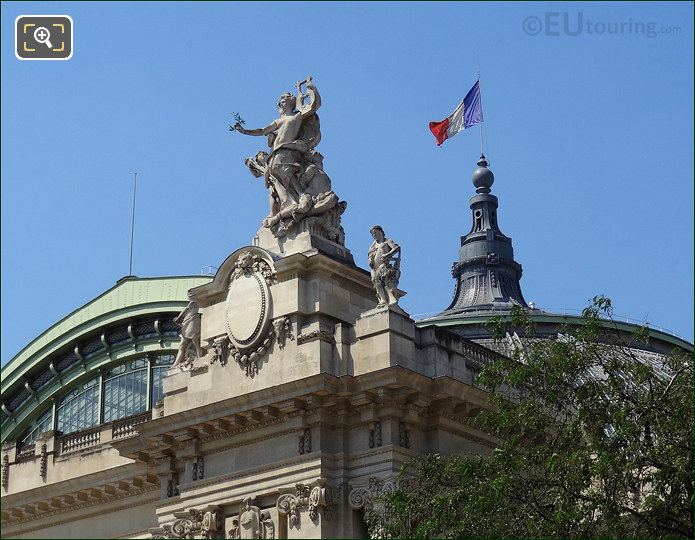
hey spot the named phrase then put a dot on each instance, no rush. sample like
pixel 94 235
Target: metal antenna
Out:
pixel 132 226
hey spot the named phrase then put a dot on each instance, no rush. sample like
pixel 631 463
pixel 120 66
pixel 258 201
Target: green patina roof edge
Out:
pixel 555 318
pixel 10 369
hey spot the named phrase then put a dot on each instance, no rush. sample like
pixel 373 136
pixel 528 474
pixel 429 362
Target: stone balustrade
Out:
pixel 26 452
pixel 79 440
pixel 128 426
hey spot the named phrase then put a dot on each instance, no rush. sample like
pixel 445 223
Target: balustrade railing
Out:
pixel 128 426
pixel 26 452
pixel 82 439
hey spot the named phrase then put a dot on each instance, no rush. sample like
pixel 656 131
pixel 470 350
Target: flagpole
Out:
pixel 480 90
pixel 132 226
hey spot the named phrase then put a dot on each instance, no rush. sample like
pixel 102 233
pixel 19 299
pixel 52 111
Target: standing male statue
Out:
pixel 385 262
pixel 189 319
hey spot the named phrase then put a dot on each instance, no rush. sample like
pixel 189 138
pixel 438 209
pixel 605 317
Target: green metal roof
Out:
pixel 130 299
pixel 553 318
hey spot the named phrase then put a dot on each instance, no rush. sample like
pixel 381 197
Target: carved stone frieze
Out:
pixel 403 435
pixel 322 335
pixel 375 435
pixel 197 469
pixel 173 485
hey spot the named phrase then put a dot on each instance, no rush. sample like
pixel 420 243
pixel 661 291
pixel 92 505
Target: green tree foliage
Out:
pixel 596 442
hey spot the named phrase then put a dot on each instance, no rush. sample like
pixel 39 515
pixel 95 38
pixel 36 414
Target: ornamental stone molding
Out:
pixel 283 331
pixel 303 496
pixel 248 302
pixel 242 289
pixel 252 522
pixel 247 311
pixel 365 496
pixel 194 523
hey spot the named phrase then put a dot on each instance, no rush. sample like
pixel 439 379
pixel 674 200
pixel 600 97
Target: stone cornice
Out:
pixel 310 395
pixel 71 519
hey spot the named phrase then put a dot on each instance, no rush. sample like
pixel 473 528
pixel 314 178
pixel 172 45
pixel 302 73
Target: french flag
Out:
pixel 467 114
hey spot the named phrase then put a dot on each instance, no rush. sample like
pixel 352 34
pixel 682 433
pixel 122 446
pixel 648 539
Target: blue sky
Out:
pixel 590 137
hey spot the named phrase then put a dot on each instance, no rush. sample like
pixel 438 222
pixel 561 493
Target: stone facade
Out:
pixel 300 386
pixel 306 399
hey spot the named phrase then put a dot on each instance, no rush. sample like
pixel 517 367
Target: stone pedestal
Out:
pixel 301 240
pixel 385 338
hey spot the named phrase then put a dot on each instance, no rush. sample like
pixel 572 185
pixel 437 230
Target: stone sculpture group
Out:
pixel 300 193
pixel 298 187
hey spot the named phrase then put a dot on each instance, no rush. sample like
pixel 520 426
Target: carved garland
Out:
pixel 249 360
pixel 43 468
pixel 5 471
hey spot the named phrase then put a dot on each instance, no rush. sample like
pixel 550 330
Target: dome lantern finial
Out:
pixel 482 176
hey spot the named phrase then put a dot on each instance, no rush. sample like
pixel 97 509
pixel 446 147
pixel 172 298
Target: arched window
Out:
pixel 125 390
pixel 161 365
pixel 79 409
pixel 42 424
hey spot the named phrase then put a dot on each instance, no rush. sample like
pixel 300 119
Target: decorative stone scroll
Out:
pixel 314 498
pixel 366 496
pixel 314 335
pixel 252 522
pixel 192 524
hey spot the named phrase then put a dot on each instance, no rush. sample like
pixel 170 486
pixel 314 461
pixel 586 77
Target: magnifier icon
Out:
pixel 42 35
